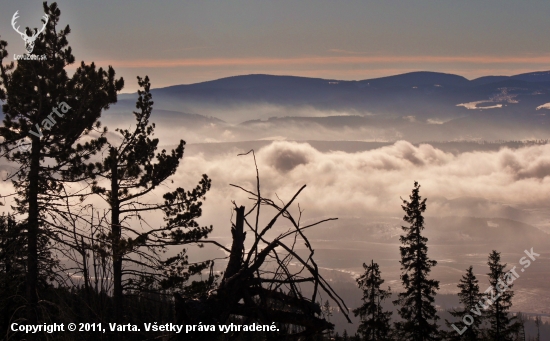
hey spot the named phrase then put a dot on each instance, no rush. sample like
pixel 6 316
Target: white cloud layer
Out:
pixel 371 182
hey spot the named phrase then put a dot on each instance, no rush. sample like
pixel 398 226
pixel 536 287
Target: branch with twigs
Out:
pixel 264 283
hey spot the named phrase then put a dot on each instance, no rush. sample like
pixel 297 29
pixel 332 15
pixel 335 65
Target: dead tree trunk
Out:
pixel 116 234
pixel 33 230
pixel 237 247
pixel 258 292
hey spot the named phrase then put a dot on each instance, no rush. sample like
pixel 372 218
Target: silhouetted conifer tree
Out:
pixel 345 336
pixel 503 326
pixel 133 170
pixel 538 322
pixel 327 313
pixel 52 111
pixel 13 258
pixel 375 322
pixel 521 331
pixel 469 296
pixel 417 306
pixel 12 269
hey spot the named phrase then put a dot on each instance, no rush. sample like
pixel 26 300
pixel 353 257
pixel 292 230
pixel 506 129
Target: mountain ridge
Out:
pixel 535 76
pixel 416 106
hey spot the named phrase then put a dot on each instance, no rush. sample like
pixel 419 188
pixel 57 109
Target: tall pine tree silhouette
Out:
pixel 469 296
pixel 133 170
pixel 375 322
pixel 48 112
pixel 417 302
pixel 503 326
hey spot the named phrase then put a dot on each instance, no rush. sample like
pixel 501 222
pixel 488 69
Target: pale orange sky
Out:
pixel 327 61
pixel 182 41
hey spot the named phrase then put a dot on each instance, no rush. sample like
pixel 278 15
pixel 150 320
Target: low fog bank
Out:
pixel 508 183
pixel 246 121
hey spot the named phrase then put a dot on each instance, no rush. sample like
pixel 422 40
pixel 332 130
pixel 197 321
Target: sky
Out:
pixel 183 42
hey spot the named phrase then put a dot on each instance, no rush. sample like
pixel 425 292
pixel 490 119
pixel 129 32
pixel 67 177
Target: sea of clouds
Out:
pixel 364 183
pixel 342 184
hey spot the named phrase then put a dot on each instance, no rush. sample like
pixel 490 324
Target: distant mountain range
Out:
pixel 415 106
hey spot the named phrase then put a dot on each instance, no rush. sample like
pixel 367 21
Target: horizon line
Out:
pixel 341 80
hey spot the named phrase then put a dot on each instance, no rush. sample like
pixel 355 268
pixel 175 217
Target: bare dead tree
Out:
pixel 82 230
pixel 264 284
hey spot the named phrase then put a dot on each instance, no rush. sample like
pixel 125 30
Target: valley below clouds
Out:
pixel 478 201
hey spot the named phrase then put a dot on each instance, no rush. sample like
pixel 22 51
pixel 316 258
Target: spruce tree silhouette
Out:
pixel 31 91
pixel 375 322
pixel 417 306
pixel 470 297
pixel 503 326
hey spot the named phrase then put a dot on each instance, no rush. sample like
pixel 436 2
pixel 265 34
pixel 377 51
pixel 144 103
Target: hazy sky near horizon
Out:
pixel 182 42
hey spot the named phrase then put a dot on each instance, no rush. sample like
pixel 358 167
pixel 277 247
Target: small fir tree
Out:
pixel 375 322
pixel 503 326
pixel 469 296
pixel 538 322
pixel 327 313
